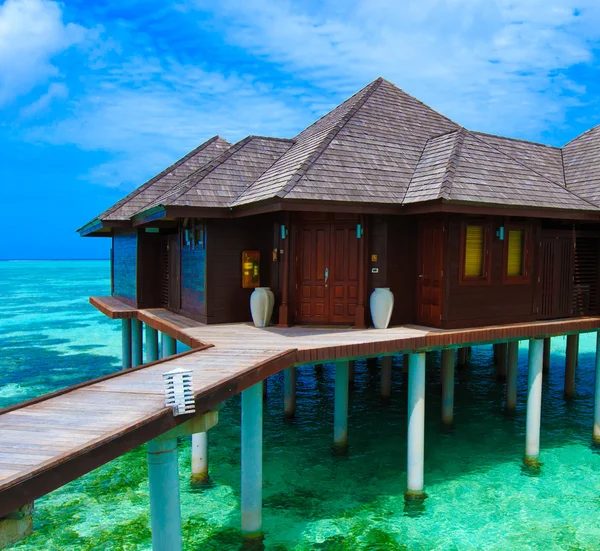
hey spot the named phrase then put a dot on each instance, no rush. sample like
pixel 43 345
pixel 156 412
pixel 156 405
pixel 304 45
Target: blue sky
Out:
pixel 97 97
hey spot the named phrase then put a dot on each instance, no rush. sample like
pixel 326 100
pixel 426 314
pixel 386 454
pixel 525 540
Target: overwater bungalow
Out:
pixel 383 229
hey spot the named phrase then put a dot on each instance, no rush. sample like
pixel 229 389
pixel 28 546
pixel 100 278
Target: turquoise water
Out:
pixel 479 496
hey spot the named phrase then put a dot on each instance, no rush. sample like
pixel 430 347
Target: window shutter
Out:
pixel 514 265
pixel 474 251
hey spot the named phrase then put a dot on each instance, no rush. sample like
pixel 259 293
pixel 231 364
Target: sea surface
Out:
pixel 480 498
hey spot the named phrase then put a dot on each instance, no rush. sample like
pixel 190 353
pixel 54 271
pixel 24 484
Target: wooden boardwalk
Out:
pixel 51 440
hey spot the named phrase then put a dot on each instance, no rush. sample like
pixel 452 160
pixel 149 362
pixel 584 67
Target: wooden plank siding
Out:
pixel 124 266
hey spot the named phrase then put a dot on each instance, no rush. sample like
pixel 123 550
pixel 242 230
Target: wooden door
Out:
pixel 327 273
pixel 555 277
pixel 430 287
pixel 174 269
pixel 313 273
pixel 343 273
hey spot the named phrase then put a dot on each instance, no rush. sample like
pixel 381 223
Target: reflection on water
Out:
pixel 479 497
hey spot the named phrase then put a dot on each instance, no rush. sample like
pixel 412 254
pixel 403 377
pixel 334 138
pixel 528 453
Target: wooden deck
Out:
pixel 51 440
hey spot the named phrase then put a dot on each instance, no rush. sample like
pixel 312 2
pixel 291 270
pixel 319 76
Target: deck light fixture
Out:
pixel 179 392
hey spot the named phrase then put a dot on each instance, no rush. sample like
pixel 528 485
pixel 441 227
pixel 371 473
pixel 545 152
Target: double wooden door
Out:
pixel 327 272
pixel 555 275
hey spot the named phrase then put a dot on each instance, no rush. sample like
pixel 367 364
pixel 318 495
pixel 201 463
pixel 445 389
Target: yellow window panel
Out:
pixel 515 253
pixel 474 251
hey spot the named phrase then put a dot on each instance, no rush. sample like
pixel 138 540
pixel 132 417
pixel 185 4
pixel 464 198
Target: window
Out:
pixel 516 255
pixel 475 254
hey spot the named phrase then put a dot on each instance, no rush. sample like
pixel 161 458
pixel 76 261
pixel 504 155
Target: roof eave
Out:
pixel 101 228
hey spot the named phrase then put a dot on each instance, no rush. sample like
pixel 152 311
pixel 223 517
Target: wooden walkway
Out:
pixel 51 440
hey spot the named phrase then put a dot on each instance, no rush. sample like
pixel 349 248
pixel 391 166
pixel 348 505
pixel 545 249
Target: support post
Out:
pixel 252 444
pixel 462 356
pixel 501 352
pixel 534 403
pixel 571 363
pixel 547 351
pixel 351 372
pixel 405 358
pixel 447 386
pixel 289 392
pixel 386 377
pixel 199 458
pixel 165 510
pixel 340 418
pixel 416 425
pixel 16 526
pixel 136 343
pixel 126 343
pixel 151 344
pixel 168 346
pixel 511 377
pixel 596 433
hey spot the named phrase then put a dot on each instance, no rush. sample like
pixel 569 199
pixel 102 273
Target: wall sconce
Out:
pixel 500 233
pixel 284 231
pixel 179 392
pixel 359 231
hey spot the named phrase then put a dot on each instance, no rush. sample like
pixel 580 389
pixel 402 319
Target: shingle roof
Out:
pixel 155 187
pixel 379 146
pixel 581 159
pixel 227 176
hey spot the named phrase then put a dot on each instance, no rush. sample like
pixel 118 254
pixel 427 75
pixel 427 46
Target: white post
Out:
pixel 386 377
pixel 511 377
pixel 165 510
pixel 416 425
pixel 447 386
pixel 597 393
pixel 252 445
pixel 534 403
pixel 199 458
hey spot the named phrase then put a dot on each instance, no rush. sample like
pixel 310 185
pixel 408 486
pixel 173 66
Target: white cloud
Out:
pixel 32 33
pixel 56 90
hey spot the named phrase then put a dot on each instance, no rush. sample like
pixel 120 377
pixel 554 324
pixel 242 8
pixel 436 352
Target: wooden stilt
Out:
pixel 501 350
pixel 386 377
pixel 448 386
pixel 511 377
pixel 571 363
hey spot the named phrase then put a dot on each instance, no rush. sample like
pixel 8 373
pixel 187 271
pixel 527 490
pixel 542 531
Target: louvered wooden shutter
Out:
pixel 585 276
pixel 514 266
pixel 474 251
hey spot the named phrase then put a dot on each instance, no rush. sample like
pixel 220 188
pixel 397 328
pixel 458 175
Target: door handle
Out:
pixel 420 276
pixel 326 276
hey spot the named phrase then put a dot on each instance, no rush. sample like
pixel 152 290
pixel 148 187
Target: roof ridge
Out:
pixel 448 179
pixel 147 184
pixel 202 172
pixel 581 135
pixel 328 139
pixel 534 171
pixel 513 139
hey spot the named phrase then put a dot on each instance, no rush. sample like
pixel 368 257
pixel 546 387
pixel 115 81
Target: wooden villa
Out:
pixel 466 229
pixel 481 240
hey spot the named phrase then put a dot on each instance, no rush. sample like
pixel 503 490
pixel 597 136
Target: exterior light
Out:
pixel 179 392
pixel 284 231
pixel 500 233
pixel 359 231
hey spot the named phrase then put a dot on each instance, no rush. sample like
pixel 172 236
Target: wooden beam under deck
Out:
pixel 51 440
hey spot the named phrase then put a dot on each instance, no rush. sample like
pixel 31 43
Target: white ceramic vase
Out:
pixel 382 304
pixel 262 300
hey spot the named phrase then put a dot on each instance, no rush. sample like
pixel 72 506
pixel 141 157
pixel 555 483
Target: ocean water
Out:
pixel 480 498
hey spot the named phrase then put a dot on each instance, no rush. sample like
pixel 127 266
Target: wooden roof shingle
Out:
pixel 581 158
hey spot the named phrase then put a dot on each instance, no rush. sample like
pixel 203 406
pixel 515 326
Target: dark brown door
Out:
pixel 555 277
pixel 174 269
pixel 327 273
pixel 430 288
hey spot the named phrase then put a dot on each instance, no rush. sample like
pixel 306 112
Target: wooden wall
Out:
pixel 124 268
pixel 193 281
pixel 149 269
pixel 493 303
pixel 394 240
pixel 228 302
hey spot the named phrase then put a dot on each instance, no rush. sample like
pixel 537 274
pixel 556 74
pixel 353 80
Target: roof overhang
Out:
pixel 101 228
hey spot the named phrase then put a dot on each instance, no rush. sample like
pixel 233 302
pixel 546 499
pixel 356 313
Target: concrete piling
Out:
pixel 386 377
pixel 416 426
pixel 136 343
pixel 126 343
pixel 151 344
pixel 199 458
pixel 289 392
pixel 511 377
pixel 340 418
pixel 570 365
pixel 534 403
pixel 448 386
